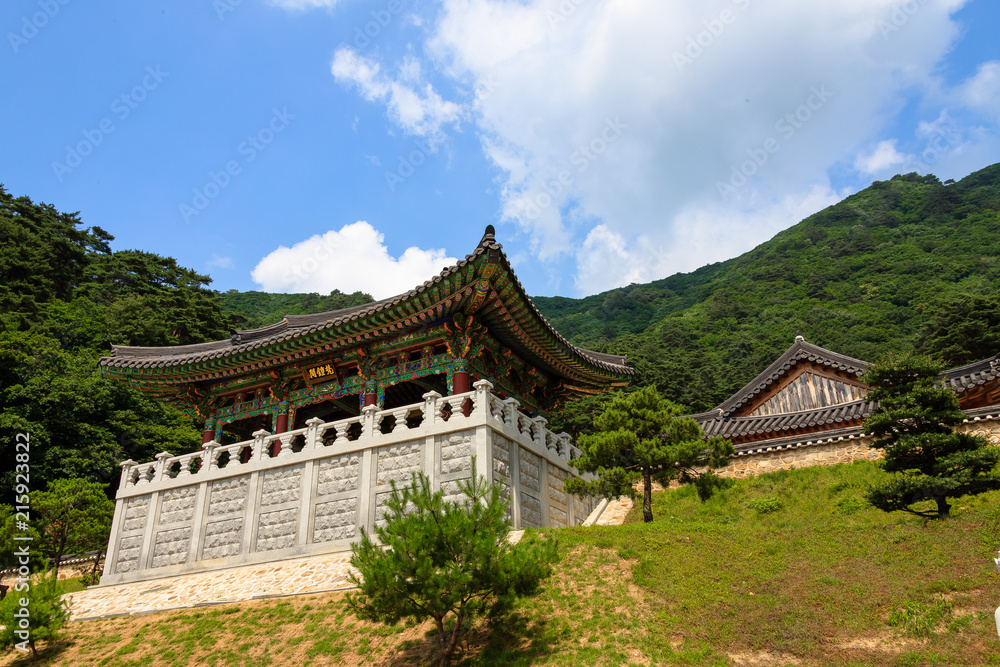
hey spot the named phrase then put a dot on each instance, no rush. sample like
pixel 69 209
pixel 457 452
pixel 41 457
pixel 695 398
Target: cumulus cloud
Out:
pixel 411 102
pixel 883 156
pixel 350 259
pixel 982 90
pixel 687 127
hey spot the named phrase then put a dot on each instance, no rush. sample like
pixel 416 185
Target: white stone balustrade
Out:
pixel 260 500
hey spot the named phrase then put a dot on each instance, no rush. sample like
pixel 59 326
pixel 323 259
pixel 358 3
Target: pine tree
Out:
pixel 643 436
pixel 915 426
pixel 446 561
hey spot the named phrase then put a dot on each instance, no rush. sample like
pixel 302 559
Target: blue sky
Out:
pixel 312 145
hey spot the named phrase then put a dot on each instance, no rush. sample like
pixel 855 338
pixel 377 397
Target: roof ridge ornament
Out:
pixel 798 336
pixel 489 236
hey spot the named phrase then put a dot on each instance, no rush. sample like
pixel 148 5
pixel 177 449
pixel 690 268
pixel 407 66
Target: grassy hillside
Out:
pixel 786 569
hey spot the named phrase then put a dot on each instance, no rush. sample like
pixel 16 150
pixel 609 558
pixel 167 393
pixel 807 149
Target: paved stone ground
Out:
pixel 315 574
pixel 614 513
pixel 291 577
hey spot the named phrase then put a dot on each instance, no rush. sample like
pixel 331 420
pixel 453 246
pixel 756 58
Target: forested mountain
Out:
pixel 902 263
pixel 64 299
pixel 908 262
pixel 249 310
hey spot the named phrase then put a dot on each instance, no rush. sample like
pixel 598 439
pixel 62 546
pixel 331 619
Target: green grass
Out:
pixel 789 568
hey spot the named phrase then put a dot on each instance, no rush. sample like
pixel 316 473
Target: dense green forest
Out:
pixel 906 263
pixel 249 310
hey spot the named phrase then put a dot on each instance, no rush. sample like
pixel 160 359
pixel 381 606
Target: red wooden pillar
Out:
pixel 371 393
pixel 280 426
pixel 209 433
pixel 460 382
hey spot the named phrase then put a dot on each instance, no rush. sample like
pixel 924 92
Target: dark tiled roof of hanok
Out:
pixel 800 351
pixel 375 319
pixel 749 431
pixel 973 376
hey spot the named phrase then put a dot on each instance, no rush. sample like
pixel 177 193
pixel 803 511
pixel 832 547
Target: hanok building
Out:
pixel 309 421
pixel 807 408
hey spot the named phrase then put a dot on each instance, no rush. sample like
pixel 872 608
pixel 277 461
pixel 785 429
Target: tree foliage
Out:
pixel 915 426
pixel 962 330
pixel 642 436
pixel 446 561
pixel 47 613
pixel 74 516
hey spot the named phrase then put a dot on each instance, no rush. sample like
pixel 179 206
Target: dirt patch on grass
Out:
pixel 763 659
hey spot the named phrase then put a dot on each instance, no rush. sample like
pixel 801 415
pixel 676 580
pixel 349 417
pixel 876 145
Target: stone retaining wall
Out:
pixel 219 508
pixel 829 448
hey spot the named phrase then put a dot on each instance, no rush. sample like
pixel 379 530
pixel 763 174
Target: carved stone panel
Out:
pixel 336 520
pixel 177 505
pixel 171 547
pixel 456 453
pixel 136 510
pixel 399 462
pixel 276 530
pixel 128 554
pixel 280 486
pixel 339 474
pixel 223 538
pixel 228 496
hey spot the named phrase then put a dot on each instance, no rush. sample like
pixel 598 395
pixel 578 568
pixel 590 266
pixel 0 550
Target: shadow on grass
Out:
pixel 517 640
pixel 47 654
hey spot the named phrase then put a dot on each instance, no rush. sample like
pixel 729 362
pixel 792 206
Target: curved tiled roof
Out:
pixel 799 351
pixel 756 426
pixel 965 378
pixel 294 326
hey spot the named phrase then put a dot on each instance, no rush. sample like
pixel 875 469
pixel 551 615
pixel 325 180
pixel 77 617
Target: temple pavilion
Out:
pixel 472 321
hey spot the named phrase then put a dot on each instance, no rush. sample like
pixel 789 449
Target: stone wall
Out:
pixel 191 513
pixel 829 449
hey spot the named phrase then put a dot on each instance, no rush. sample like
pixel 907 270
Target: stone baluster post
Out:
pixel 538 426
pixel 510 413
pixel 258 444
pixel 368 423
pixel 161 465
pixel 483 389
pixel 210 456
pixel 431 416
pixel 128 465
pixel 312 434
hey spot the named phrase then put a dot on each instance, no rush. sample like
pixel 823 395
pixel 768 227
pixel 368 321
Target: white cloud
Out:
pixel 883 156
pixel 778 89
pixel 410 102
pixel 982 90
pixel 349 259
